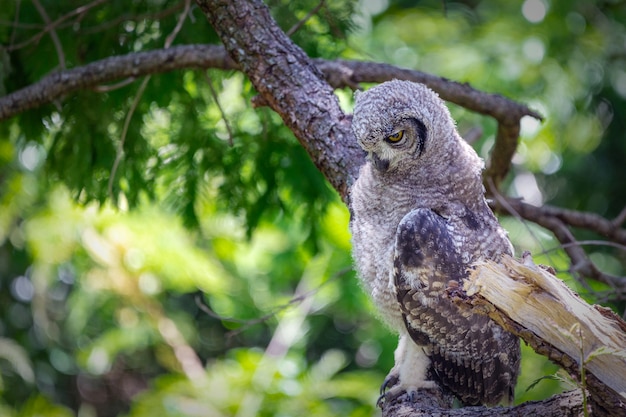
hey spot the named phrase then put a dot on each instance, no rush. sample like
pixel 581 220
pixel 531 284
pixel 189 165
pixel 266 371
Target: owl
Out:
pixel 419 222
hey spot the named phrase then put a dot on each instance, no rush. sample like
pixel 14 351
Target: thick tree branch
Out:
pixel 292 87
pixel 339 73
pixel 290 84
pixel 508 113
pixel 343 73
pixel 59 84
pixel 568 404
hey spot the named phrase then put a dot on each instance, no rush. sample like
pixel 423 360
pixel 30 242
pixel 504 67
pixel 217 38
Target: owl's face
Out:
pixel 403 141
pixel 399 124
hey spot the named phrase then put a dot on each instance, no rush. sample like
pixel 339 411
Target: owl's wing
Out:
pixel 470 355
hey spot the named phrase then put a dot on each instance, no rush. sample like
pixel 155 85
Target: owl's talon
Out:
pixel 381 400
pixel 389 396
pixel 390 381
pixel 394 394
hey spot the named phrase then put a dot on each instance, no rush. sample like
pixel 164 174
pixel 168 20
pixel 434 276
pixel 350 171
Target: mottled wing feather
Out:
pixel 470 355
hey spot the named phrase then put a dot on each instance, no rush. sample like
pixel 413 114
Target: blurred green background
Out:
pixel 212 276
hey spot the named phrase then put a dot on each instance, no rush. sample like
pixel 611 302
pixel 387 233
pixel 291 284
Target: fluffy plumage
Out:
pixel 419 222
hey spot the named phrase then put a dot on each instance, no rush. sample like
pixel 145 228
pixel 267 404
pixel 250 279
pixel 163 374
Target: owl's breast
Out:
pixel 373 253
pixel 373 226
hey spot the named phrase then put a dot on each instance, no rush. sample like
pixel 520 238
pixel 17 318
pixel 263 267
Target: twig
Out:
pixel 620 219
pixel 283 338
pixel 186 356
pixel 19 25
pixel 555 220
pixel 248 323
pixel 53 34
pixel 120 148
pixel 126 17
pixel 588 243
pixel 300 23
pixel 112 87
pixel 220 108
pixel 56 23
pixel 505 204
pixel 15 22
pixel 179 24
pixel 589 221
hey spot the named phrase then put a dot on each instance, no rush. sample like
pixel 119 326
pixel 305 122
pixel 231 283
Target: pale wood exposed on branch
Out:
pixel 587 341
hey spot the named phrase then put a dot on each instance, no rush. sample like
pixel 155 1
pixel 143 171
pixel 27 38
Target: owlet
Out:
pixel 419 222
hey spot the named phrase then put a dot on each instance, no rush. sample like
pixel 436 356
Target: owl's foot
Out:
pixel 398 389
pixel 409 373
pixel 390 381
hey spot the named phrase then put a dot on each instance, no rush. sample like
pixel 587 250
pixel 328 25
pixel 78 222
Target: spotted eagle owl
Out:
pixel 419 221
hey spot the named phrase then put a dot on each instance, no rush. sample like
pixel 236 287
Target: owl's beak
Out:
pixel 380 164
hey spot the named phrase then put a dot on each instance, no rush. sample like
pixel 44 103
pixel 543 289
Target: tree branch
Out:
pixel 59 84
pixel 292 87
pixel 53 33
pixel 557 221
pixel 507 112
pixel 339 73
pixel 587 341
pixel 568 404
pixel 290 84
pixel 463 94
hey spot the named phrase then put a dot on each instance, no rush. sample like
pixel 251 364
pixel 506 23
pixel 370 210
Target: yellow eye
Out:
pixel 396 137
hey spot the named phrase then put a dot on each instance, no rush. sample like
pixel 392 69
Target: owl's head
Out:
pixel 402 124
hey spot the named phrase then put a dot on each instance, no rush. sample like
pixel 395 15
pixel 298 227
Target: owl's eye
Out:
pixel 395 137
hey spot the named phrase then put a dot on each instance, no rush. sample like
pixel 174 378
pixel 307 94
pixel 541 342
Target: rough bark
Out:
pixel 568 404
pixel 58 84
pixel 290 84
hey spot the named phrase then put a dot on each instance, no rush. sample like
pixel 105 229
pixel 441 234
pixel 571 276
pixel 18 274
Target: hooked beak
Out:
pixel 381 165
